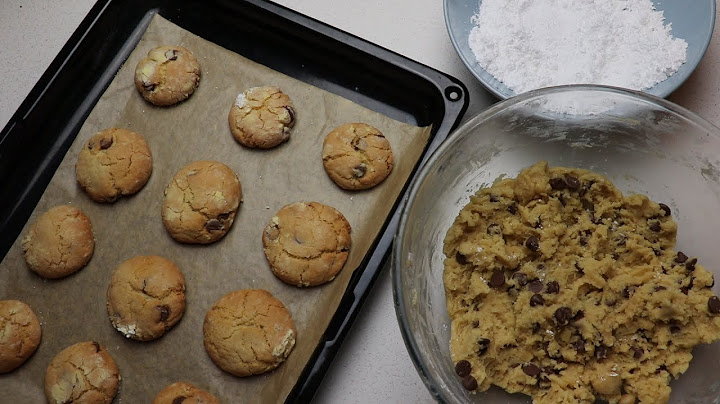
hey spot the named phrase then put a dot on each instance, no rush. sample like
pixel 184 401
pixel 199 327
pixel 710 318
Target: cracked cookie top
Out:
pixel 168 75
pixel 262 117
pixel 146 297
pixel 357 156
pixel 201 202
pixel 248 332
pixel 20 334
pixel 307 243
pixel 184 393
pixel 113 163
pixel 59 243
pixel 82 373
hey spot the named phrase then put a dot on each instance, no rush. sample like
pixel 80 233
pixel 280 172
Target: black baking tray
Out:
pixel 39 134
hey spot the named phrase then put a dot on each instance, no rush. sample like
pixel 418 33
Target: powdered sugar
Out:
pixel 240 101
pixel 529 44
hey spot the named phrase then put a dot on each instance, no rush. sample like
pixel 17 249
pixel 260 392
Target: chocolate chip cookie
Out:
pixel 59 243
pixel 82 373
pixel 201 202
pixel 248 332
pixel 168 75
pixel 357 156
pixel 562 288
pixel 113 163
pixel 262 117
pixel 307 243
pixel 146 297
pixel 20 334
pixel 184 393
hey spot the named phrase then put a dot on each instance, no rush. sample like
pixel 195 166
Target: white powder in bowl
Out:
pixel 529 44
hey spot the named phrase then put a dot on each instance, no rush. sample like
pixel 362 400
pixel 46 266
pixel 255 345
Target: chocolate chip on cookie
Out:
pixel 82 373
pixel 248 332
pixel 114 163
pixel 168 75
pixel 307 243
pixel 357 156
pixel 262 117
pixel 20 334
pixel 201 202
pixel 59 243
pixel 146 297
pixel 184 393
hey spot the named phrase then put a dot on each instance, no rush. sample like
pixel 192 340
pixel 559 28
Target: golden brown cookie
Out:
pixel 184 393
pixel 146 297
pixel 248 332
pixel 307 243
pixel 168 75
pixel 20 334
pixel 201 202
pixel 262 117
pixel 59 243
pixel 113 163
pixel 562 288
pixel 82 373
pixel 357 156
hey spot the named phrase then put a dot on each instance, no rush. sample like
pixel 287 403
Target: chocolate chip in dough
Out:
pixel 714 304
pixel 532 243
pixel 497 279
pixel 638 353
pixel 483 345
pixel 563 315
pixel 552 287
pixel 665 209
pixel 690 265
pixel 579 315
pixel 572 182
pixel 512 208
pixel 601 352
pixel 655 226
pixel 587 205
pixel 463 368
pixel 580 346
pixel 469 383
pixel 520 278
pixel 494 229
pixel 680 258
pixel 164 312
pixel 493 198
pixel 557 183
pixel 536 300
pixel 531 369
pixel 461 259
pixel 536 286
pixel 659 288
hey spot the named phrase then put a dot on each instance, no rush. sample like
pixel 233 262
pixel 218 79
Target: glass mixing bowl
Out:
pixel 642 143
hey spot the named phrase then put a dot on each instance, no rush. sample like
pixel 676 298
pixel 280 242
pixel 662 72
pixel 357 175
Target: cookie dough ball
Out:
pixel 262 117
pixel 168 75
pixel 184 393
pixel 248 332
pixel 201 202
pixel 146 297
pixel 113 163
pixel 59 243
pixel 20 334
pixel 357 156
pixel 307 244
pixel 82 373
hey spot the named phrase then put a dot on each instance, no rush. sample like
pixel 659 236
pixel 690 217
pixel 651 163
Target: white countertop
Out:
pixel 373 365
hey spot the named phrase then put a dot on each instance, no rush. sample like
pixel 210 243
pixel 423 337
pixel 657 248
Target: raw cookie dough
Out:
pixel 248 332
pixel 59 243
pixel 113 163
pixel 168 75
pixel 201 202
pixel 184 393
pixel 82 373
pixel 146 297
pixel 262 117
pixel 20 334
pixel 357 156
pixel 561 288
pixel 307 244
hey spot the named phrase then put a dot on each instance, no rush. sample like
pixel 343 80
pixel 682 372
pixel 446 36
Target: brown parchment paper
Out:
pixel 73 309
